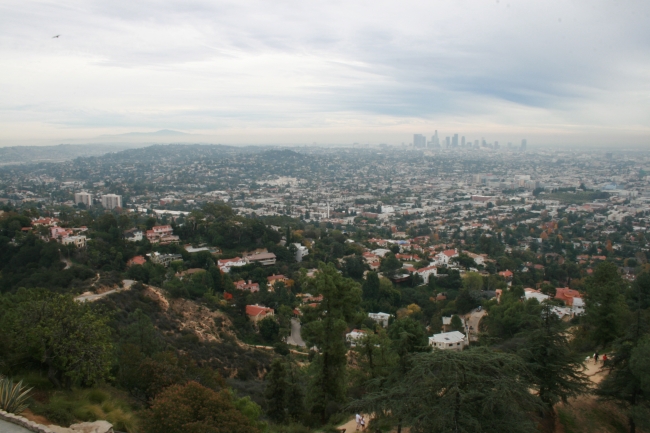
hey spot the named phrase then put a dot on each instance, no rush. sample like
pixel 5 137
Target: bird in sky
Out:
pixel 54 37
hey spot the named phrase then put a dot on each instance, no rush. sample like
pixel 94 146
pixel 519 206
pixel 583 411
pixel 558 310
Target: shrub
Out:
pixel 194 408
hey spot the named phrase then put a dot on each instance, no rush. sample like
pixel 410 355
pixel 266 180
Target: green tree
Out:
pixel 341 298
pixel 192 408
pixel 269 329
pixel 456 323
pixel 354 267
pixel 409 336
pixel 370 287
pixel 605 308
pixel 389 264
pixel 557 372
pixel 375 355
pixel 141 333
pixel 472 281
pixel 626 384
pixel 276 393
pixel 449 391
pixel 69 338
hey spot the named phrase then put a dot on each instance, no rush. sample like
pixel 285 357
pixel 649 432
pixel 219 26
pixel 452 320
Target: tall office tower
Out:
pixel 523 144
pixel 435 140
pixel 111 201
pixel 447 141
pixel 483 142
pixel 83 197
pixel 496 144
pixel 476 144
pixel 454 141
pixel 462 141
pixel 419 140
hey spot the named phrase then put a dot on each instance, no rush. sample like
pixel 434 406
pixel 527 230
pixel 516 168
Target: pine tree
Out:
pixel 276 392
pixel 341 298
pixel 295 395
pixel 556 371
pixel 605 305
pixel 628 383
pixel 450 391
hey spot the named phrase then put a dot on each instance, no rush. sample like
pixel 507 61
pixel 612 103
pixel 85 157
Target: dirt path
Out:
pixel 351 426
pixel 594 370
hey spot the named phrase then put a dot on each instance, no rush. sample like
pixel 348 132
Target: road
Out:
pixel 91 297
pixel 295 338
pixel 472 320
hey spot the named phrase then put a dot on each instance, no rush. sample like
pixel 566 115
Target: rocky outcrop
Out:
pixel 84 427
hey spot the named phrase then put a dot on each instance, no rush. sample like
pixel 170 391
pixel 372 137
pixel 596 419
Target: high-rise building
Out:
pixel 419 140
pixel 435 141
pixel 454 141
pixel 496 144
pixel 83 197
pixel 111 201
pixel 524 143
pixel 476 144
pixel 447 141
pixel 462 141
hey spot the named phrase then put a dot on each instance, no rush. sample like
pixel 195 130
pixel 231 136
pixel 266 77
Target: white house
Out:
pixel 77 241
pixel 301 251
pixel 133 235
pixel 426 272
pixel 578 306
pixel 453 340
pixel 381 318
pixel 226 264
pixel 354 336
pixel 536 294
pixel 478 259
pixel 443 257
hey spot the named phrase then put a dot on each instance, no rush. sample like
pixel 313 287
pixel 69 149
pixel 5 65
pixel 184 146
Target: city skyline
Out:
pixel 558 74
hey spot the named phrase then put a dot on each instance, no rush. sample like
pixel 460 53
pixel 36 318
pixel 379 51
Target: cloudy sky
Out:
pixel 556 72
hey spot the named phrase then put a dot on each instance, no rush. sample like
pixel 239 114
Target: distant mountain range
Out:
pixel 60 153
pixel 97 146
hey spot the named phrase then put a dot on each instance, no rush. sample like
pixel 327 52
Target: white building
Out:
pixel 578 306
pixel 426 273
pixel 443 258
pixel 355 336
pixel 111 201
pixel 83 197
pixel 380 318
pixel 478 259
pixel 133 235
pixel 164 259
pixel 453 340
pixel 77 241
pixel 301 251
pixel 226 264
pixel 536 294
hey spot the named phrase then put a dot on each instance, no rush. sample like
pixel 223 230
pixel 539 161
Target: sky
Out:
pixel 558 73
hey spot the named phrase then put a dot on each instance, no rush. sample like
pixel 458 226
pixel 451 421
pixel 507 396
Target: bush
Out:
pixel 194 408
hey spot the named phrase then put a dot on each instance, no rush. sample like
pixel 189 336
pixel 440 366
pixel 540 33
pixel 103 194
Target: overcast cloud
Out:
pixel 555 72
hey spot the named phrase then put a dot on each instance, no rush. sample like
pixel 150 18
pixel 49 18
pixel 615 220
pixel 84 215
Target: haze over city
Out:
pixel 294 73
